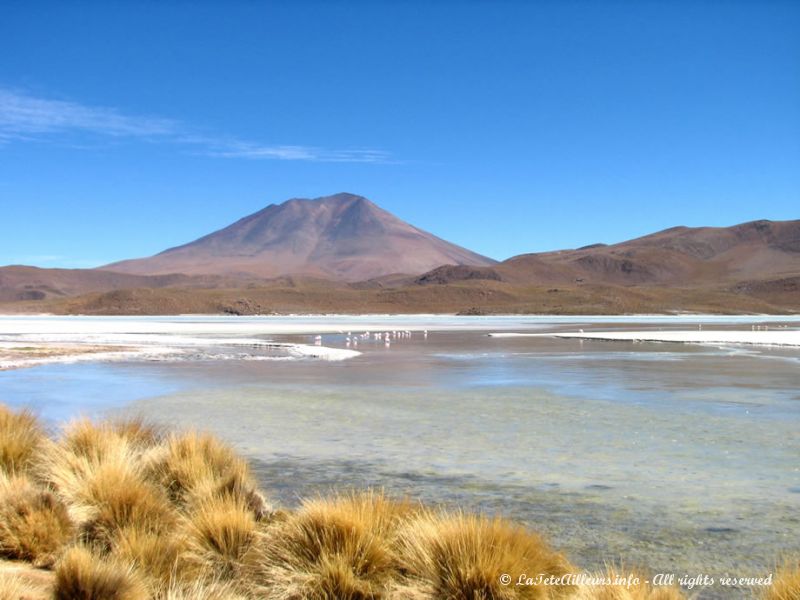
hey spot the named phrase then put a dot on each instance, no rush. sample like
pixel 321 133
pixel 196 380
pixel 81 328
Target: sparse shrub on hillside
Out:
pixel 34 525
pixel 20 438
pixel 337 548
pixel 82 575
pixel 455 556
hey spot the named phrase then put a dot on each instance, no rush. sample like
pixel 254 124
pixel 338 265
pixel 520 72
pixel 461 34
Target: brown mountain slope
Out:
pixel 31 283
pixel 702 256
pixel 342 237
pixel 19 282
pixel 753 267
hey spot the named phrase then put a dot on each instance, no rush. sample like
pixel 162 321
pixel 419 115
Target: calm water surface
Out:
pixel 682 458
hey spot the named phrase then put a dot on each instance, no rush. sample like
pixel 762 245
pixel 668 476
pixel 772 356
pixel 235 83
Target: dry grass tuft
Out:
pixel 219 533
pixel 786 584
pixel 81 575
pixel 200 590
pixel 67 465
pixel 457 556
pixel 195 467
pixel 94 442
pixel 138 431
pixel 15 588
pixel 34 525
pixel 338 548
pixel 20 438
pixel 107 496
pixel 115 498
pixel 96 471
pixel 641 591
pixel 154 554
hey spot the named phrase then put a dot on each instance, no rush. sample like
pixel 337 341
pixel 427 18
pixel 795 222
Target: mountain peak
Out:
pixel 342 197
pixel 342 236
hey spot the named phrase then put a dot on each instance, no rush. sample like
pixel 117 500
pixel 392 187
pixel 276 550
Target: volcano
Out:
pixel 344 237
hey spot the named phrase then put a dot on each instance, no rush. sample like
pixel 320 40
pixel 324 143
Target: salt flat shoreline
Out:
pixel 37 349
pixel 784 337
pixel 17 355
pixel 27 341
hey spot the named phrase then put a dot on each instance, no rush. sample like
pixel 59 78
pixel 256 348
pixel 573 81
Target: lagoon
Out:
pixel 680 457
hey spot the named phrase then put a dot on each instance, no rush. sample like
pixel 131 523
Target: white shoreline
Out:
pixel 219 325
pixel 73 347
pixel 782 337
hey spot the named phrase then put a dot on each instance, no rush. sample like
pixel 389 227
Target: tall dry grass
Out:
pixel 203 590
pixel 341 547
pixel 97 472
pixel 786 584
pixel 83 575
pixel 13 587
pixel 34 524
pixel 20 438
pixel 639 591
pixel 459 556
pixel 154 554
pixel 195 467
pixel 220 533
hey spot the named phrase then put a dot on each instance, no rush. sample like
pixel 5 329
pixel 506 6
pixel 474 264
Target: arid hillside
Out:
pixel 749 268
pixel 700 256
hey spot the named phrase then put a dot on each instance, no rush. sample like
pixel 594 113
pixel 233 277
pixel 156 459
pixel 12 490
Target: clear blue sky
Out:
pixel 126 128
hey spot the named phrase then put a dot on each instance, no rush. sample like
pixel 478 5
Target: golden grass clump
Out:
pixel 20 438
pixel 194 467
pixel 82 575
pixel 786 583
pixel 67 464
pixel 337 548
pixel 458 556
pixel 640 591
pixel 13 587
pixel 201 590
pixel 154 554
pixel 220 532
pixel 138 431
pixel 97 473
pixel 115 498
pixel 34 524
pixel 93 441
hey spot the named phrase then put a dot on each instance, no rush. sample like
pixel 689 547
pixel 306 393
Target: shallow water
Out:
pixel 683 458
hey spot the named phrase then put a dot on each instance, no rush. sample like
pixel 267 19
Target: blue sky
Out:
pixel 127 128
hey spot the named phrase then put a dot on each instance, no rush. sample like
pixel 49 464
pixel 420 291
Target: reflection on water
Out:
pixel 681 458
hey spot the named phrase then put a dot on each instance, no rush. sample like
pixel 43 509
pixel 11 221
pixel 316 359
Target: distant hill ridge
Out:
pixel 342 253
pixel 675 256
